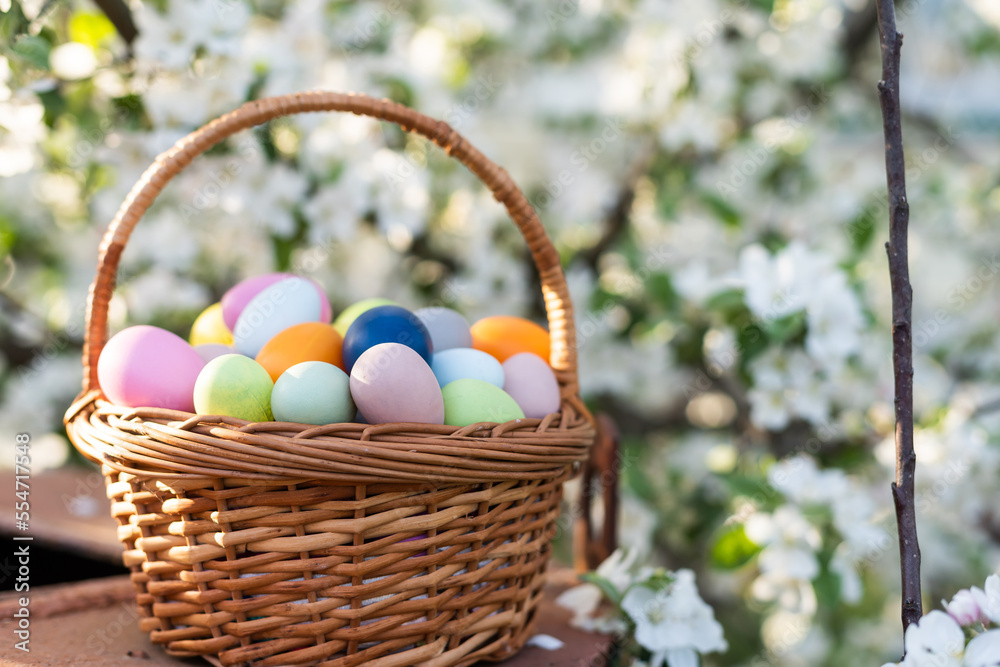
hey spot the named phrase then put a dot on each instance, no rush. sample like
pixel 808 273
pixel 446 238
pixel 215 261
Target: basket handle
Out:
pixel 562 355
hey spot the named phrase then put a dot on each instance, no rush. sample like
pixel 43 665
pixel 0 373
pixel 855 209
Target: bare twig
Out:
pixel 121 18
pixel 617 218
pixel 902 316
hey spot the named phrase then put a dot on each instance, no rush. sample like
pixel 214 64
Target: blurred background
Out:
pixel 712 175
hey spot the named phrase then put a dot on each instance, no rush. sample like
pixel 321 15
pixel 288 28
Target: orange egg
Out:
pixel 309 341
pixel 504 336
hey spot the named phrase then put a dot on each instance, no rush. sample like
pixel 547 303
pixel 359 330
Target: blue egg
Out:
pixel 386 324
pixel 463 363
pixel 285 303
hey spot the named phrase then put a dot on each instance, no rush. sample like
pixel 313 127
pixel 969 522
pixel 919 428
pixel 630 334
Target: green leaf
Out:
pixel 729 216
pixel 33 50
pixel 606 587
pixel 728 301
pixel 752 341
pixel 662 289
pixel 54 104
pixel 733 549
pixel 659 581
pixel 786 328
pixel 861 230
pixel 13 22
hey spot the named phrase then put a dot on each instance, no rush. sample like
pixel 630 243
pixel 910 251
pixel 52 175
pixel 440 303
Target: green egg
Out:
pixel 351 313
pixel 235 386
pixel 468 401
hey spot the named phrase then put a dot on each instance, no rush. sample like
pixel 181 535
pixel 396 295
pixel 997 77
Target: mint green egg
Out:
pixel 468 401
pixel 235 386
pixel 313 392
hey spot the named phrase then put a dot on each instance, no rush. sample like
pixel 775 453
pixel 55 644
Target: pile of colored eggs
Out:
pixel 268 352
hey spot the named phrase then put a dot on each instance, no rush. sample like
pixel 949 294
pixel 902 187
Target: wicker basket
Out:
pixel 338 545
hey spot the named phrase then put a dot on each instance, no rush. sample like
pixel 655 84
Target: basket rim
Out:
pixel 171 444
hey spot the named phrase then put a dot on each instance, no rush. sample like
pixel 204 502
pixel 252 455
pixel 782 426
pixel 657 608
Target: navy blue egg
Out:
pixel 386 324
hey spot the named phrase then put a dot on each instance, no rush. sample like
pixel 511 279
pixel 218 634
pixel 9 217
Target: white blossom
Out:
pixel 674 624
pixel 790 543
pixel 983 650
pixel 935 640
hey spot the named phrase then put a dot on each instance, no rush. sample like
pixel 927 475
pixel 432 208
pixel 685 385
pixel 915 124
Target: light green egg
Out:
pixel 313 392
pixel 235 386
pixel 468 401
pixel 347 316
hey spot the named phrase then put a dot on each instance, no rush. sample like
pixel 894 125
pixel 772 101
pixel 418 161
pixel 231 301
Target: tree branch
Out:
pixel 121 18
pixel 902 316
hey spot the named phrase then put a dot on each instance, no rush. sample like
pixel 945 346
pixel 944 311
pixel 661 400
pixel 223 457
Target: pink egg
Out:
pixel 390 382
pixel 531 383
pixel 240 294
pixel 145 366
pixel 209 351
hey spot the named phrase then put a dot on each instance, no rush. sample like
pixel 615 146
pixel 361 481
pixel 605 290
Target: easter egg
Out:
pixel 390 382
pixel 145 366
pixel 235 386
pixel 504 336
pixel 349 314
pixel 313 392
pixel 285 303
pixel 385 324
pixel 447 328
pixel 242 293
pixel 309 341
pixel 464 362
pixel 469 401
pixel 530 381
pixel 210 328
pixel 209 351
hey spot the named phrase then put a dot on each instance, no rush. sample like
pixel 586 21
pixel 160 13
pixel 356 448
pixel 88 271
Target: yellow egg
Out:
pixel 209 328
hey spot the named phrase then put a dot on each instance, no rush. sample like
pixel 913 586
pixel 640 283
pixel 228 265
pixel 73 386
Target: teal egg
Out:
pixel 313 392
pixel 235 386
pixel 469 401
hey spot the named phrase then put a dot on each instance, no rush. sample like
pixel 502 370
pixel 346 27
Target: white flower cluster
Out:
pixel 670 619
pixel 791 537
pixel 792 381
pixel 939 640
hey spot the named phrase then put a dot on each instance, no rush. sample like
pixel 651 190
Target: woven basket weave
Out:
pixel 345 544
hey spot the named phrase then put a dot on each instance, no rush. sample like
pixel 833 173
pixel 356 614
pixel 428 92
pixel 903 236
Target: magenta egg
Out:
pixel 145 366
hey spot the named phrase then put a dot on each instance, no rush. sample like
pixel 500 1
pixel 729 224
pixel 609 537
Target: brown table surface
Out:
pixel 94 622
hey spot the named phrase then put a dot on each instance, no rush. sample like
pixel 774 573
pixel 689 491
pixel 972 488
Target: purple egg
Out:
pixel 531 383
pixel 145 366
pixel 243 292
pixel 392 383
